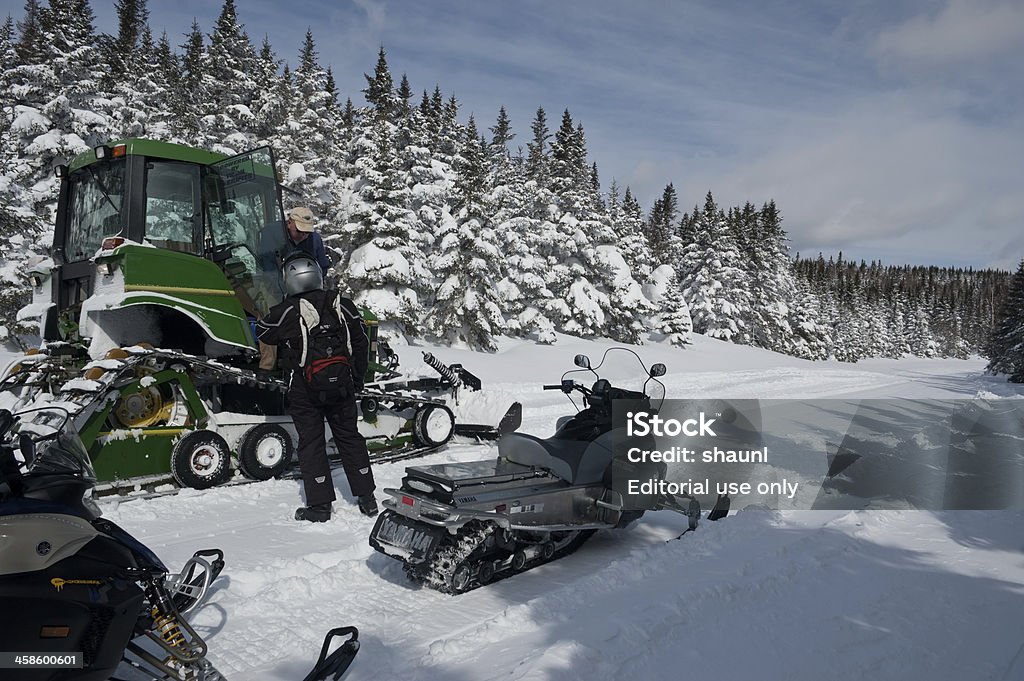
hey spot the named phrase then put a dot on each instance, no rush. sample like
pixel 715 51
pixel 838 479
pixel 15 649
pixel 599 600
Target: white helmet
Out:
pixel 301 274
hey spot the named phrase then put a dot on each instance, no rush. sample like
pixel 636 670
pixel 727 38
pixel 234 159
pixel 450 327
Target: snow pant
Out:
pixel 309 410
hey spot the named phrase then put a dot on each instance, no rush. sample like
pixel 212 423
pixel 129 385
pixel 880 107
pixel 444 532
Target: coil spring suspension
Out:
pixel 169 630
pixel 447 373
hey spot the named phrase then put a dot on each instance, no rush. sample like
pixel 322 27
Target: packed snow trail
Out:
pixel 770 595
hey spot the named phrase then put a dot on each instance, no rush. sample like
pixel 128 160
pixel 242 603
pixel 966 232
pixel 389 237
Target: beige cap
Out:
pixel 303 218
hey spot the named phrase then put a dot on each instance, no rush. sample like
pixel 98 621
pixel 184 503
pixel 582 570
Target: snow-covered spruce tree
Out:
pixel 467 260
pixel 118 52
pixel 56 99
pixel 315 118
pixel 810 336
pixel 537 157
pixel 229 67
pixel 191 96
pixel 589 272
pixel 771 277
pixel 522 293
pixel 662 236
pixel 122 59
pixel 672 313
pixel 628 223
pixel 20 214
pixel 428 181
pixel 144 93
pixel 274 96
pixel 379 239
pixel 713 278
pixel 1006 343
pixel 380 88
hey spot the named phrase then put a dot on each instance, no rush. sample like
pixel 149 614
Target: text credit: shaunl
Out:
pixel 644 424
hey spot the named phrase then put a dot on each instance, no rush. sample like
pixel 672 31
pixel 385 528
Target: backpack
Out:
pixel 326 347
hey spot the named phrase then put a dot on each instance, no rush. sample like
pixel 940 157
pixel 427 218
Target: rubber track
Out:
pixel 438 575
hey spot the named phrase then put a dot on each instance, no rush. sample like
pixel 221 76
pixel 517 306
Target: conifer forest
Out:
pixel 454 229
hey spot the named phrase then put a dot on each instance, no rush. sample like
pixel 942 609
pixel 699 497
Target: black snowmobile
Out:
pixel 461 525
pixel 79 596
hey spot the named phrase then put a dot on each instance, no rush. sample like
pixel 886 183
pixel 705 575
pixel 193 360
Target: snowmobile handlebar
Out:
pixel 567 386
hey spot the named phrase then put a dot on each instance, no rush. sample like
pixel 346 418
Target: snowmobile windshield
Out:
pixel 63 454
pixel 56 449
pixel 624 369
pixel 95 197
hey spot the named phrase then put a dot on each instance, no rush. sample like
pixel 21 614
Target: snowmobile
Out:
pixel 162 257
pixel 457 526
pixel 82 597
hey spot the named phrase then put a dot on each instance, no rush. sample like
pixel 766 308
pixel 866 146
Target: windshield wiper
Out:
pixel 103 190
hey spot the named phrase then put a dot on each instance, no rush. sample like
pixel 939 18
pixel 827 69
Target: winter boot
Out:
pixel 368 505
pixel 320 513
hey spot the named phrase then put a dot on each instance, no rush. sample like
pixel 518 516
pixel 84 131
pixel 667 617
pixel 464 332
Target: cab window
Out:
pixel 171 205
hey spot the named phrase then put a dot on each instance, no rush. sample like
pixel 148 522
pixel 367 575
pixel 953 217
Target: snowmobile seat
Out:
pixel 574 461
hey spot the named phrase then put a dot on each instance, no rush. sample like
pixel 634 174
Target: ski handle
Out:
pixel 334 665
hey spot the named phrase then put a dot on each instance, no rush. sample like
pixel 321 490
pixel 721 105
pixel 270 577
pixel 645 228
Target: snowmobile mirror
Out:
pixel 581 361
pixel 657 370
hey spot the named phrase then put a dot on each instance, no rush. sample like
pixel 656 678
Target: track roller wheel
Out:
pixel 519 560
pixel 461 578
pixel 201 460
pixel 547 549
pixel 433 425
pixel 265 452
pixel 485 573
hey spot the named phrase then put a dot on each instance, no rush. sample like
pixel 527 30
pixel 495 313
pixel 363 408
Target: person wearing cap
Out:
pixel 302 237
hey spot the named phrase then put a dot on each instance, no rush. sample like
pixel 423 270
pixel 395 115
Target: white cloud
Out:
pixel 964 30
pixel 891 169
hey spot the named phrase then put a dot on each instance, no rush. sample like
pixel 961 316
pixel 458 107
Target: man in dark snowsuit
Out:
pixel 287 325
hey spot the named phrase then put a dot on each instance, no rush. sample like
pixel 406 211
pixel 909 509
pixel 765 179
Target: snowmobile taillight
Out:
pixel 111 242
pixel 408 501
pixel 51 631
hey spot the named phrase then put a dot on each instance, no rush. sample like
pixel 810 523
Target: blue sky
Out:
pixel 885 129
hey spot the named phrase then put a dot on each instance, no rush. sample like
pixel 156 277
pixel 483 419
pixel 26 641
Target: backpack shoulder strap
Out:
pixel 309 318
pixel 343 321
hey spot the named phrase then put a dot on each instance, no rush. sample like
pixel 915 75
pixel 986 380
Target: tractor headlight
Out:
pixel 106 268
pixel 36 279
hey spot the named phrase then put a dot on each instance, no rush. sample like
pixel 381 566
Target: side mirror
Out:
pixel 657 370
pixel 581 361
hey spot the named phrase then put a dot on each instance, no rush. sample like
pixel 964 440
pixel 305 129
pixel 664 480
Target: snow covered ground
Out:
pixel 792 595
